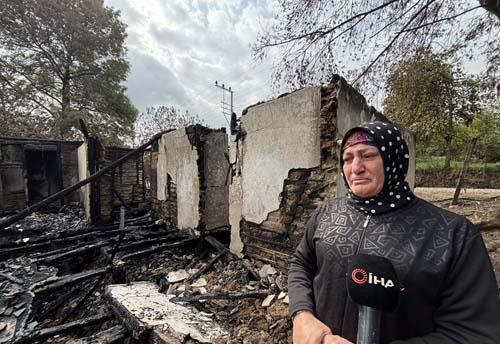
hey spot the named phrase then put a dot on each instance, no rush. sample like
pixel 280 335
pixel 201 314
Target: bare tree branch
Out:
pixel 388 46
pixel 442 19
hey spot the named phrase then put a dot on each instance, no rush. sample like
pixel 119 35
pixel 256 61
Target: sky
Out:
pixel 177 49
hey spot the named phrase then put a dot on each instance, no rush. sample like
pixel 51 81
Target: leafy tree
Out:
pixel 486 127
pixel 430 97
pixel 366 38
pixel 64 60
pixel 161 118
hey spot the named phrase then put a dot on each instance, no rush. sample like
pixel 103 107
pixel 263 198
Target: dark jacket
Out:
pixel 450 295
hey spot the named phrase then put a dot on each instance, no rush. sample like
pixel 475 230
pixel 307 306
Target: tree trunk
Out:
pixel 447 154
pixel 461 177
pixel 492 6
pixel 448 137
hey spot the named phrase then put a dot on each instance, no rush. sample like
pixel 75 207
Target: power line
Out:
pixel 223 103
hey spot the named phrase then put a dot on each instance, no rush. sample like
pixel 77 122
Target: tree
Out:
pixel 367 38
pixel 64 60
pixel 486 127
pixel 161 118
pixel 430 97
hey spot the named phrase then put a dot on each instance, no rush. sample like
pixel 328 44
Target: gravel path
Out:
pixel 438 194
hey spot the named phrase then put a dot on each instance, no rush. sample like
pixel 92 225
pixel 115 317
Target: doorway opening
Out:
pixel 42 174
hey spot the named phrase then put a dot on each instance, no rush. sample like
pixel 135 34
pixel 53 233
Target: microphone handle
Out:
pixel 368 325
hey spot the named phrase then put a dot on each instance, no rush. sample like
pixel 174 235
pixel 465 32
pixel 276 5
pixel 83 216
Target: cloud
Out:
pixel 152 83
pixel 178 49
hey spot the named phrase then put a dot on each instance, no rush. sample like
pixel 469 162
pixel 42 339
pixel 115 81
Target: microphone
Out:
pixel 373 284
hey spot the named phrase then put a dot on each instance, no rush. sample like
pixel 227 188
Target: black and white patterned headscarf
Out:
pixel 396 192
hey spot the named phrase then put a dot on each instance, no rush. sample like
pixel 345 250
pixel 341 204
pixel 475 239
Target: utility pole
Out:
pixel 223 103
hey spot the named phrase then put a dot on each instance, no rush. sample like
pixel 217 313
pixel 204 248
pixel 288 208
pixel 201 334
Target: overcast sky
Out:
pixel 177 49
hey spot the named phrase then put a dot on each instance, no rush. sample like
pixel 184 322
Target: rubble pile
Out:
pixel 58 275
pixel 49 225
pixel 247 299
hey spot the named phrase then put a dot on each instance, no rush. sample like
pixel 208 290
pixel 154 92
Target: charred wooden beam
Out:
pixel 120 238
pixel 251 270
pixel 206 267
pixel 74 325
pixel 72 253
pixel 23 213
pixel 153 238
pixel 61 300
pixel 159 248
pixel 120 198
pixel 115 334
pixel 11 278
pixel 8 252
pixel 90 291
pixel 220 246
pixel 50 253
pixel 149 242
pixel 72 279
pixel 216 243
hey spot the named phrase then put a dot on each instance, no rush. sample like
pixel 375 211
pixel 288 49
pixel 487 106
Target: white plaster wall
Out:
pixel 1 193
pixel 83 173
pixel 235 199
pixel 177 157
pixel 280 135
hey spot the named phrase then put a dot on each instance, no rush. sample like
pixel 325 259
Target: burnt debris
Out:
pixel 64 285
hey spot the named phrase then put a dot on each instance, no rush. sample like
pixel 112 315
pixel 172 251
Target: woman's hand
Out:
pixel 309 330
pixel 333 339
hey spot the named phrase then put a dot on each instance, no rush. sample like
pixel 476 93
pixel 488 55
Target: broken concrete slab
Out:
pixel 177 276
pixel 201 282
pixel 268 300
pixel 152 318
pixel 267 270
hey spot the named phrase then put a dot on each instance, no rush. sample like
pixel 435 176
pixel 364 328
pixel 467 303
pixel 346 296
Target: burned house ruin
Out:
pixel 123 186
pixel 192 179
pixel 285 158
pixel 171 275
pixel 33 169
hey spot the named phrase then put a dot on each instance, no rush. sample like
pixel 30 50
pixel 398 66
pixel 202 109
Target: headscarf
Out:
pixel 396 192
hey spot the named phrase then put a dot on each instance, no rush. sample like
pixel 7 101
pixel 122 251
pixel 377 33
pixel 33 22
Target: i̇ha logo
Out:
pixel 359 276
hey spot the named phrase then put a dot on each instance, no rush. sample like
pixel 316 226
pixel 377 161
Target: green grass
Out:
pixel 437 162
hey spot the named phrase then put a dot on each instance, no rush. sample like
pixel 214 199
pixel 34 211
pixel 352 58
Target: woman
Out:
pixel 450 293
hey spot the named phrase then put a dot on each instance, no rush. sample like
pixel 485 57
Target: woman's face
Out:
pixel 363 169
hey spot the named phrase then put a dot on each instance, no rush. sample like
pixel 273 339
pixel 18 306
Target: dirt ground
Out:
pixel 480 206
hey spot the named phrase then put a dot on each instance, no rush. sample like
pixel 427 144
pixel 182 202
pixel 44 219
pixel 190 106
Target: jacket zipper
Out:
pixel 361 241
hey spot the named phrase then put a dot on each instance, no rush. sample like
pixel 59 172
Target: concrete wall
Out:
pixel 83 173
pixel 235 197
pixel 281 135
pixel 177 157
pixel 217 177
